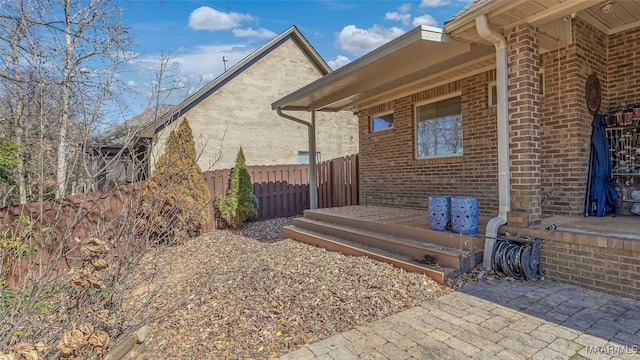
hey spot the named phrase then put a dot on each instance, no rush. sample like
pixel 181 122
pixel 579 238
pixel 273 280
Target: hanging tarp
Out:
pixel 601 194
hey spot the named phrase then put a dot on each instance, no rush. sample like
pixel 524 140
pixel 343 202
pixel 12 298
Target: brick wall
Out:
pixel 555 139
pixel 523 61
pixel 391 175
pixel 623 68
pixel 566 121
pixel 596 262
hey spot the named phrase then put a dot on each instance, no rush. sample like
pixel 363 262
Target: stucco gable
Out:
pixel 292 34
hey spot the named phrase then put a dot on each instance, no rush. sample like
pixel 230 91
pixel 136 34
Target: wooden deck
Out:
pixel 410 218
pixel 581 251
pixel 399 236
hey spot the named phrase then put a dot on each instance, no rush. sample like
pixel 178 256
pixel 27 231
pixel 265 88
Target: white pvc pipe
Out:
pixel 504 183
pixel 313 167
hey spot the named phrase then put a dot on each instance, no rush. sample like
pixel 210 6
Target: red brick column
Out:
pixel 523 61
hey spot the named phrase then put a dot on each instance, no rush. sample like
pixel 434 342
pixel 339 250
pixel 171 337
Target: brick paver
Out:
pixel 497 319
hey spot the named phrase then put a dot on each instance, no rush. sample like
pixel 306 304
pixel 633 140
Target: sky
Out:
pixel 195 35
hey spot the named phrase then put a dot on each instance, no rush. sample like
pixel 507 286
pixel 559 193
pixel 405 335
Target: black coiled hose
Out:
pixel 518 258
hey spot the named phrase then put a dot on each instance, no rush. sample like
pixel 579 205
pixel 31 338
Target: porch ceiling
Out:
pixel 422 56
pixel 504 15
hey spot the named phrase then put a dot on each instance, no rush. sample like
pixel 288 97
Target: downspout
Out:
pixel 313 167
pixel 504 184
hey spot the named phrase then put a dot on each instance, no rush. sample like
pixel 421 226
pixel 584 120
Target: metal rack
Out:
pixel 624 148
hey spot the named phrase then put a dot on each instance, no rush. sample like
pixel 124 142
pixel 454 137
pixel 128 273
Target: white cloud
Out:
pixel 361 41
pixel 425 19
pixel 338 62
pixel 206 18
pixel 208 77
pixel 131 83
pixel 434 3
pixel 396 16
pixel 208 59
pixel 188 70
pixel 400 15
pixel 404 8
pixel 260 33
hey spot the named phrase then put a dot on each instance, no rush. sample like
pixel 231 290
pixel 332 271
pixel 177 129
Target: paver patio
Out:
pixel 497 319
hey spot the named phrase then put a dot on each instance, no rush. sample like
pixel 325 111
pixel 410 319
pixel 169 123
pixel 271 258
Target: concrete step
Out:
pixel 441 238
pixel 332 243
pixel 445 256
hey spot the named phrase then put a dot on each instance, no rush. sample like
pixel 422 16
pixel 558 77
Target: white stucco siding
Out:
pixel 239 114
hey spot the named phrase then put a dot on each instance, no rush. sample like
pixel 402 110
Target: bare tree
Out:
pixel 14 28
pixel 73 49
pixel 90 32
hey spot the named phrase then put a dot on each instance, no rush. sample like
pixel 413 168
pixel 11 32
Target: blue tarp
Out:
pixel 601 194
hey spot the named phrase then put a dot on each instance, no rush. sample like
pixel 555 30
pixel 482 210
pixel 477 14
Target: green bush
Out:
pixel 8 160
pixel 240 204
pixel 175 198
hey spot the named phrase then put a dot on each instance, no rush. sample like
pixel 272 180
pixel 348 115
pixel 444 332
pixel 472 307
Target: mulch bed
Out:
pixel 247 294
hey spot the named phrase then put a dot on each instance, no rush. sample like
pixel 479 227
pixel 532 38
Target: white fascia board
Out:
pixel 419 33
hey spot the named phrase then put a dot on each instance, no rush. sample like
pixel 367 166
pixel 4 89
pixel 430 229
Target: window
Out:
pixel 439 128
pixel 493 94
pixel 382 122
pixel 541 74
pixel 303 157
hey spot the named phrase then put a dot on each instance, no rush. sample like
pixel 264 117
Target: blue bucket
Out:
pixel 464 215
pixel 439 214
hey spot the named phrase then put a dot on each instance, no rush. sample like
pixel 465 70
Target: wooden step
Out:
pixel 445 256
pixel 442 238
pixel 438 273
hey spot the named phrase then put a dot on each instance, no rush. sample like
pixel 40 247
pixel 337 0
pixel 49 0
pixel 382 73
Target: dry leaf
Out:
pixel 100 264
pixel 99 339
pixel 71 341
pixel 86 328
pixel 30 355
pixel 94 248
pixel 103 317
pixel 95 282
pixel 77 279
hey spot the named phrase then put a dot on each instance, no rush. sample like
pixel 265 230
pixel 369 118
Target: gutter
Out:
pixel 464 19
pixel 313 166
pixel 504 183
pixel 419 33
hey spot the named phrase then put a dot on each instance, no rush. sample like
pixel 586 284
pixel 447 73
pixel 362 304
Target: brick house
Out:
pixel 493 106
pixel 234 110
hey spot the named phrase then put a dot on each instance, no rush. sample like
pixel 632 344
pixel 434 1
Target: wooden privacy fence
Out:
pixel 338 182
pixel 282 190
pixel 82 213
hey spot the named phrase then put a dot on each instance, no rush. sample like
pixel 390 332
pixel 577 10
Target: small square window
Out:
pixel 382 122
pixel 303 157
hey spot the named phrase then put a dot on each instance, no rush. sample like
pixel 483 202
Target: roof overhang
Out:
pixel 550 17
pixel 420 53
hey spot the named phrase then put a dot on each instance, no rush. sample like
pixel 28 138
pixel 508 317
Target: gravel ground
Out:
pixel 246 295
